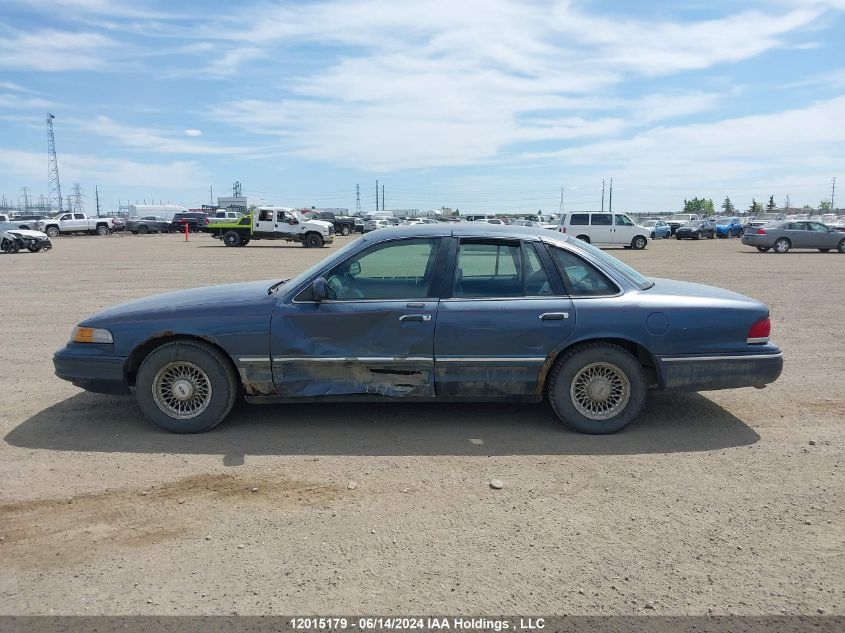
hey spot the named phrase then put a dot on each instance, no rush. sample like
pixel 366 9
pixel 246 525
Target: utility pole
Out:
pixel 54 188
pixel 610 201
pixel 833 194
pixel 560 213
pixel 357 199
pixel 211 195
pixel 376 195
pixel 382 197
pixel 602 195
pixel 97 197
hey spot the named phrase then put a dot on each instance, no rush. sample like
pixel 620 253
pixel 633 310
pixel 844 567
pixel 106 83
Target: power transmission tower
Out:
pixel 25 196
pixel 357 199
pixel 54 188
pixel 236 189
pixel 78 196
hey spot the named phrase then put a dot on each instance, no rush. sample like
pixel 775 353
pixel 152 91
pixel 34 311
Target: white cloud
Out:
pixel 19 102
pixel 193 132
pixel 105 171
pixel 51 51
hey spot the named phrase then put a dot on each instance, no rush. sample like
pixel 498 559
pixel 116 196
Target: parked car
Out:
pixel 677 220
pixel 68 223
pixel 195 220
pixel 605 229
pixel 13 239
pixel 23 221
pixel 418 313
pixel 274 223
pixel 148 224
pixel 658 228
pixel 376 223
pixel 490 221
pixel 343 224
pixel 728 227
pixel 784 236
pixel 696 229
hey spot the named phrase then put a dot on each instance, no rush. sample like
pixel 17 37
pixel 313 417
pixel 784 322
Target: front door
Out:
pixel 506 313
pixel 373 335
pixel 624 230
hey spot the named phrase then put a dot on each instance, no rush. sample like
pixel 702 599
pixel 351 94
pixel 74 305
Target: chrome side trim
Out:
pixel 759 339
pixel 381 360
pixel 533 360
pixel 253 359
pixel 691 359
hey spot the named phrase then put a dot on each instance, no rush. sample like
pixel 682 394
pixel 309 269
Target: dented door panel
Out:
pixel 354 347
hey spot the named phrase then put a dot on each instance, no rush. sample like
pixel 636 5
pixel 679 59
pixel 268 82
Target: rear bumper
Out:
pixel 91 369
pixel 709 373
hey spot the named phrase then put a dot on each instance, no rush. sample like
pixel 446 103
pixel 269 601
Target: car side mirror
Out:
pixel 293 221
pixel 320 289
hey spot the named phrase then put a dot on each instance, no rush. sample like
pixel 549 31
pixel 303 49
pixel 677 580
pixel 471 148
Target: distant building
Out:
pixel 233 203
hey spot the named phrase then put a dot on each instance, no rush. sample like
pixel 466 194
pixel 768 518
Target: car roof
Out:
pixel 466 229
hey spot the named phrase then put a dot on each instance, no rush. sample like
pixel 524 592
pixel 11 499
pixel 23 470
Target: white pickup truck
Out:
pixel 224 216
pixel 68 223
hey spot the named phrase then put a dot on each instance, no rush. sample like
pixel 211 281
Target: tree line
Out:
pixel 706 207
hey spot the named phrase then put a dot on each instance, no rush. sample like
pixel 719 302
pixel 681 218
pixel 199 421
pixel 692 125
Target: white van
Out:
pixel 605 229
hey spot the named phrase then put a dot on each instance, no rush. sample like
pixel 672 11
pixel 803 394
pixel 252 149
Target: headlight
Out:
pixel 91 335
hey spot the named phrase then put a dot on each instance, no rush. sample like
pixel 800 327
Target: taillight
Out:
pixel 761 231
pixel 563 229
pixel 760 331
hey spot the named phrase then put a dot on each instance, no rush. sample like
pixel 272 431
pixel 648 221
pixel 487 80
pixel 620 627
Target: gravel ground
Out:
pixel 722 502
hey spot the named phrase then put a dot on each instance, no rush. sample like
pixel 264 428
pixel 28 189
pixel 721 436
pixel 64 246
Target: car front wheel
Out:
pixel 841 246
pixel 313 240
pixel 186 387
pixel 782 245
pixel 345 230
pixel 639 242
pixel 597 388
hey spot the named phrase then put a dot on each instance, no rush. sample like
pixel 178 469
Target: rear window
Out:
pixel 581 278
pixel 579 219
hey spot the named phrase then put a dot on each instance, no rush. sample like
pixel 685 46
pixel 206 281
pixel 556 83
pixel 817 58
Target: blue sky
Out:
pixel 476 104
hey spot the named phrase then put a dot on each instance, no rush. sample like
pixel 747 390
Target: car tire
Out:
pixel 652 235
pixel 763 249
pixel 584 238
pixel 639 242
pixel 33 249
pixel 10 247
pixel 102 231
pixel 841 246
pixel 824 250
pixel 52 231
pixel 582 376
pixel 344 230
pixel 313 240
pixel 697 236
pixel 205 378
pixel 231 238
pixel 782 246
pixel 245 241
pixel 143 230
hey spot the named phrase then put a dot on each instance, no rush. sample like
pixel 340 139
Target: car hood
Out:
pixel 29 233
pixel 221 299
pixel 325 224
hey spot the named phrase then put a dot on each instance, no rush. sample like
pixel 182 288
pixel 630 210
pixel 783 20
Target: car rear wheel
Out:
pixel 763 249
pixel 639 242
pixel 841 246
pixel 597 388
pixel 782 245
pixel 652 235
pixel 345 230
pixel 186 387
pixel 584 238
pixel 231 238
pixel 143 229
pixel 102 230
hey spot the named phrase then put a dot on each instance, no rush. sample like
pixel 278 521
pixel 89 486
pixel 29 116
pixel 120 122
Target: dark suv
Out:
pixel 196 221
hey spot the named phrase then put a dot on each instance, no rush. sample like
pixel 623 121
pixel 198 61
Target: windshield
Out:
pixel 611 262
pixel 5 226
pixel 724 220
pixel 648 222
pixel 680 216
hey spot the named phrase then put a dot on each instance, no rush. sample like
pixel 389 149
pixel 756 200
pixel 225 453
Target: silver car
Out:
pixel 784 236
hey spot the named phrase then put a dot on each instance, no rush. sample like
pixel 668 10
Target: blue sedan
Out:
pixel 728 227
pixel 460 312
pixel 658 228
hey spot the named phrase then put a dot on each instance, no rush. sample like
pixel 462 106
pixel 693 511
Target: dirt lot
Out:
pixel 723 502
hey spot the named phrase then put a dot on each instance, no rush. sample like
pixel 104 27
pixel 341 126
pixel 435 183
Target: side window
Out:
pixel 65 217
pixel 244 220
pixel 397 270
pixel 623 220
pixel 280 217
pixel 581 278
pixel 579 219
pixel 601 219
pixel 78 216
pixel 819 228
pixel 266 215
pixel 537 282
pixel 490 269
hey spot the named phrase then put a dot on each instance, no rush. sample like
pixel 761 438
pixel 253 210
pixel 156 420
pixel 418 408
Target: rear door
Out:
pixel 601 228
pixel 503 314
pixel 375 333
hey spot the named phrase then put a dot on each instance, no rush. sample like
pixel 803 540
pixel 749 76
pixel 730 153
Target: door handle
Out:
pixel 554 316
pixel 415 317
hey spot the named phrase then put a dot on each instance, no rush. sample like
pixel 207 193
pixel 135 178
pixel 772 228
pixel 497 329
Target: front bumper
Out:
pixel 92 367
pixel 713 372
